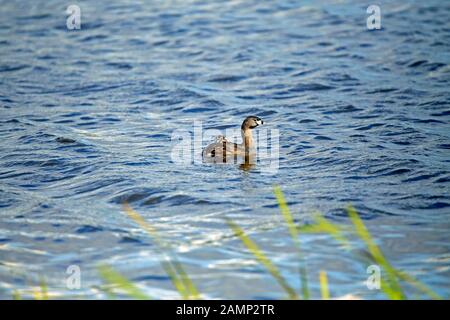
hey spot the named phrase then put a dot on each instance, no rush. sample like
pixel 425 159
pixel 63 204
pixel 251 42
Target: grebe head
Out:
pixel 251 122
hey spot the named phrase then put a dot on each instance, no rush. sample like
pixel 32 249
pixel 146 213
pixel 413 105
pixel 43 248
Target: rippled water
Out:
pixel 87 116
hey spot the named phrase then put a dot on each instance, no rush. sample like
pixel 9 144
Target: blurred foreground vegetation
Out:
pixel 392 280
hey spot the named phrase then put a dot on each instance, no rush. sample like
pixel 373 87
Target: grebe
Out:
pixel 222 148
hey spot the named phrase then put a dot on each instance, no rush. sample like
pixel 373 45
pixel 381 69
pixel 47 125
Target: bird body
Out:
pixel 222 148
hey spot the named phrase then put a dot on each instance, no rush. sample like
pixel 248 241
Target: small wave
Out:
pixel 421 177
pixel 88 229
pixel 395 172
pixel 198 109
pixel 227 78
pixel 381 90
pixel 126 239
pixel 94 37
pixel 435 205
pixel 119 65
pixel 322 138
pixel 133 195
pixel 417 63
pixel 441 114
pixel 370 126
pixel 12 68
pixel 65 140
pixel 310 87
pixel 343 109
pixel 443 179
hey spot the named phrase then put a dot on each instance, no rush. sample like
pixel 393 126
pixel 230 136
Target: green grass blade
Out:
pixel 188 284
pixel 107 290
pixel 44 289
pixel 286 214
pixel 261 258
pixel 293 231
pixel 136 217
pixel 322 225
pixel 41 293
pixel 179 277
pixel 113 277
pixel 334 230
pixel 390 286
pixel 16 295
pixel 177 283
pixel 324 285
pixel 417 284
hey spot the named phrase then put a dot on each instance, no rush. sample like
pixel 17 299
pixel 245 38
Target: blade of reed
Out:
pixel 188 284
pixel 36 294
pixel 108 291
pixel 259 255
pixel 41 292
pixel 417 284
pixel 333 229
pixel 44 289
pixel 293 230
pixel 16 295
pixel 324 285
pixel 172 267
pixel 391 286
pixel 136 217
pixel 113 277
pixel 286 214
pixel 322 225
pixel 176 281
